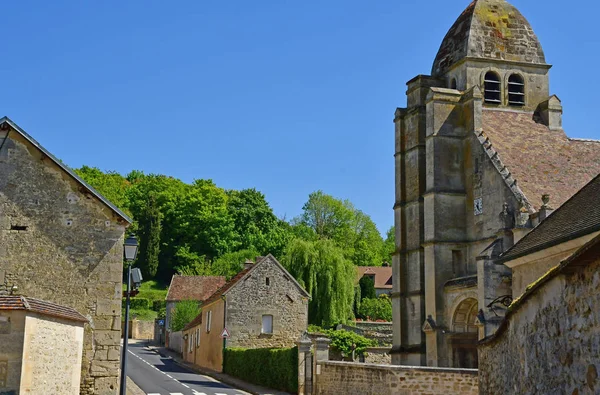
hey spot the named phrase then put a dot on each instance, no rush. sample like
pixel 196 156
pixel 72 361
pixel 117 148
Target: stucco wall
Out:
pixel 51 356
pixel 12 334
pixel 252 298
pixel 551 344
pixel 354 378
pixel 210 353
pixel 70 253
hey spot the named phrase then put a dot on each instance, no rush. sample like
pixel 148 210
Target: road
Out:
pixel 157 375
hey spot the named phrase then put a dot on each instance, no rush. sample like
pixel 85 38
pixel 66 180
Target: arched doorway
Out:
pixel 464 334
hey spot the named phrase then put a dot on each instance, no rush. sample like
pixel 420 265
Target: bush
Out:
pixel 183 313
pixel 158 305
pixel 376 309
pixel 137 303
pixel 346 341
pixel 275 368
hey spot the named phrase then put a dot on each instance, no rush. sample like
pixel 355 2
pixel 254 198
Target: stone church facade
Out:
pixel 481 157
pixel 62 242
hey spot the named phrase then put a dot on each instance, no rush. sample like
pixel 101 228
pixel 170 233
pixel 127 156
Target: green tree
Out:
pixel 232 263
pixel 367 288
pixel 183 313
pixel 150 232
pixel 376 309
pixel 321 268
pixel 326 217
pixel 389 245
pixel 111 185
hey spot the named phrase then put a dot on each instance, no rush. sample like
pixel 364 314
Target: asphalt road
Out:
pixel 157 375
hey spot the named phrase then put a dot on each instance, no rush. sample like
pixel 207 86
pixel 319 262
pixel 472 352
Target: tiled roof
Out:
pixel 541 160
pixel 193 287
pixel 383 275
pixel 40 307
pixel 577 217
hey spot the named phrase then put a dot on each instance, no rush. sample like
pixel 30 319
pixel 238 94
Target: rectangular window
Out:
pixel 208 321
pixel 267 324
pixel 197 337
pixel 190 341
pixel 268 282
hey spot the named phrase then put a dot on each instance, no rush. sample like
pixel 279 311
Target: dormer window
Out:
pixel 492 88
pixel 516 90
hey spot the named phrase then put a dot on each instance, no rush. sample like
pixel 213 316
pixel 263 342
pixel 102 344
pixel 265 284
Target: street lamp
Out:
pixel 130 251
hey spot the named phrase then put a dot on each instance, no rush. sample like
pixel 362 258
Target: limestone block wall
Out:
pixel 355 378
pixel 12 334
pixel 252 298
pixel 51 356
pixel 551 342
pixel 59 243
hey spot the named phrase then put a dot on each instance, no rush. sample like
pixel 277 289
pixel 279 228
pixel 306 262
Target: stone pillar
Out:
pixel 304 365
pixel 322 353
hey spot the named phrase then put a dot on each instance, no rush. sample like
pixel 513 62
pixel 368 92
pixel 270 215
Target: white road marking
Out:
pixel 152 394
pixel 176 393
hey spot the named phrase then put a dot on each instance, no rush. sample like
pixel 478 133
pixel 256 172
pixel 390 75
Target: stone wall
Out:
pixel 61 244
pixel 51 356
pixel 12 334
pixel 378 355
pixel 176 341
pixel 354 378
pixel 549 343
pixel 252 298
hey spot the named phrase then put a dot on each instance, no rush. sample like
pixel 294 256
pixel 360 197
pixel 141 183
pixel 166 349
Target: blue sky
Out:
pixel 285 96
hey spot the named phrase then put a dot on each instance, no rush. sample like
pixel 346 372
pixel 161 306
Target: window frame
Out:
pixel 496 99
pixel 520 90
pixel 262 326
pixel 208 321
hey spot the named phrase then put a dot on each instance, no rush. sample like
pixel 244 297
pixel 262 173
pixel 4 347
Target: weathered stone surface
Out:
pixel 354 378
pixel 64 253
pixel 552 343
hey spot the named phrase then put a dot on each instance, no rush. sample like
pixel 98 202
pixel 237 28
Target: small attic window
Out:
pixel 492 88
pixel 516 90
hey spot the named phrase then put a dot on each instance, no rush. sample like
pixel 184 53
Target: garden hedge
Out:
pixel 275 368
pixel 137 303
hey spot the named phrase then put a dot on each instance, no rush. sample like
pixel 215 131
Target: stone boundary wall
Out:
pixel 142 330
pixel 358 378
pixel 176 342
pixel 381 327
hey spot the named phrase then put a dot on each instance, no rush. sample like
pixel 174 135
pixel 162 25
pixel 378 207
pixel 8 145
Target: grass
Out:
pixel 150 290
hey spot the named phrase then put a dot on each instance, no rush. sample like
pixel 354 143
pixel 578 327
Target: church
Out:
pixel 481 159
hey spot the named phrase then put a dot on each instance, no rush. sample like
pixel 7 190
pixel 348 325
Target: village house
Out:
pixel 198 288
pixel 479 150
pixel 381 276
pixel 62 242
pixel 263 306
pixel 548 342
pixel 28 363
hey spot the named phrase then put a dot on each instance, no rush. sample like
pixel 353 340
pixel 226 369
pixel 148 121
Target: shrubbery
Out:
pixel 158 305
pixel 376 309
pixel 346 341
pixel 275 368
pixel 137 303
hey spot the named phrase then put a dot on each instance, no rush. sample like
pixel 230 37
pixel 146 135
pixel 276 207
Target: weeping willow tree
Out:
pixel 320 267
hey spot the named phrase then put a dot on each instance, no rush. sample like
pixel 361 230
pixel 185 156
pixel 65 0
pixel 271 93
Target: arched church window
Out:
pixel 492 88
pixel 453 83
pixel 516 90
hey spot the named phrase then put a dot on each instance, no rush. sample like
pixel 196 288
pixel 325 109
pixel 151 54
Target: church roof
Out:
pixel 491 29
pixel 579 216
pixel 543 161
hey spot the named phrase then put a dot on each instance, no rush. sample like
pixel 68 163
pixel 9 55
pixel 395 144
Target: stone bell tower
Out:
pixel 450 190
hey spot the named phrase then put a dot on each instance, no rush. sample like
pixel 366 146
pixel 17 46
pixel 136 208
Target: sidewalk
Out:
pixel 222 377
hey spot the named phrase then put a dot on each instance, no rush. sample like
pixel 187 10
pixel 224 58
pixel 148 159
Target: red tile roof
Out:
pixel 40 307
pixel 193 287
pixel 541 160
pixel 383 275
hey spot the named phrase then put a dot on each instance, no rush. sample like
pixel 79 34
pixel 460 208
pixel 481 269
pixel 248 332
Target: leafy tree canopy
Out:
pixel 183 313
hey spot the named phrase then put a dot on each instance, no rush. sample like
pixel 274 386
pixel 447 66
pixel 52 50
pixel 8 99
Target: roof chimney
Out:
pixel 248 264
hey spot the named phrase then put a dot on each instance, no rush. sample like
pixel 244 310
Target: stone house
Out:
pixel 42 346
pixel 381 276
pixel 197 288
pixel 479 149
pixel 548 341
pixel 62 242
pixel 263 306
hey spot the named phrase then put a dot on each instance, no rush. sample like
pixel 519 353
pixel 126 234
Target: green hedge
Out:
pixel 275 368
pixel 158 305
pixel 138 303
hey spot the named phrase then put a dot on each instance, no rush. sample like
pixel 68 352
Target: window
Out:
pixel 190 341
pixel 516 90
pixel 208 321
pixel 492 88
pixel 268 282
pixel 267 324
pixel 197 337
pixel 453 83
